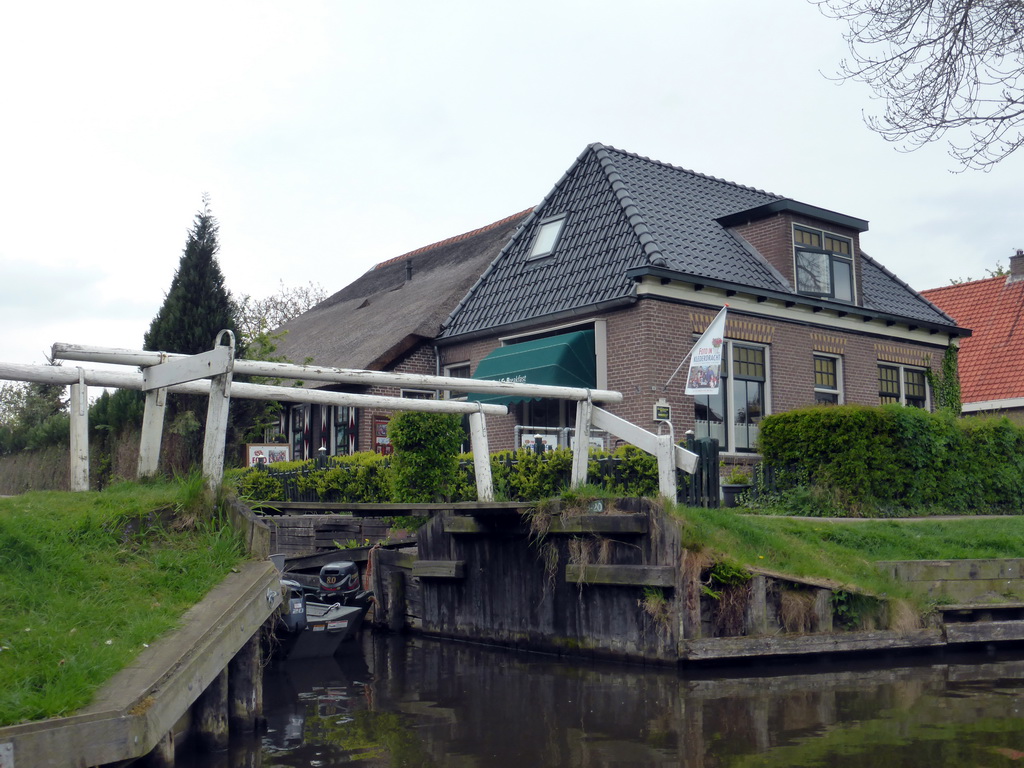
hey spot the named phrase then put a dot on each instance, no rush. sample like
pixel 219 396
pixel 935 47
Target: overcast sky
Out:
pixel 334 135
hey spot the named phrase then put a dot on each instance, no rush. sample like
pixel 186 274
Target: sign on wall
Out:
pixel 266 453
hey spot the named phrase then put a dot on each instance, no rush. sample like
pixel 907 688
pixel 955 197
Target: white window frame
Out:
pixel 549 232
pixel 839 390
pixel 449 371
pixel 727 383
pixel 903 381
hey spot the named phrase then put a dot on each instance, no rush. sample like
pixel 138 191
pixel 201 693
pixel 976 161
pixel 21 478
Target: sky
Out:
pixel 330 136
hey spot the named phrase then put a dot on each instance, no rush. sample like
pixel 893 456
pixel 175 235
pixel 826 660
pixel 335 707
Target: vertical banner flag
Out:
pixel 706 359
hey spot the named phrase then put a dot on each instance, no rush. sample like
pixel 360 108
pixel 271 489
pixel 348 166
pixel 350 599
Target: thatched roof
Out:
pixel 396 305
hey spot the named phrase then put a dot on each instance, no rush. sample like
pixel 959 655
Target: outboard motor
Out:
pixel 339 583
pixel 293 608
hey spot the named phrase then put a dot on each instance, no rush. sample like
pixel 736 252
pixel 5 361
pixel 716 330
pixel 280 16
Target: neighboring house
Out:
pixel 991 361
pixel 608 282
pixel 385 320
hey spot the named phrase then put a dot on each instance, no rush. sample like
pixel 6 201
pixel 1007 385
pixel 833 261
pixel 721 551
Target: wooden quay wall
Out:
pixel 615 581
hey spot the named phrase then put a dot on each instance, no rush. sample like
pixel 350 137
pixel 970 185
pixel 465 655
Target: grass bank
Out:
pixel 845 551
pixel 90 579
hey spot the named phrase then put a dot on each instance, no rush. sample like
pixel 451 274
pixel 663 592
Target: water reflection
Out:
pixel 419 702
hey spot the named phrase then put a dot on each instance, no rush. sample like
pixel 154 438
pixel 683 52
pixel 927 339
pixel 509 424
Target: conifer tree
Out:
pixel 198 305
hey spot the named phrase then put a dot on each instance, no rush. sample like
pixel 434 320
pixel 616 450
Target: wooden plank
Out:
pixel 950 608
pixel 439 569
pixel 464 525
pixel 954 570
pixel 985 631
pixel 397 558
pixel 964 591
pixel 627 575
pixel 609 525
pixel 799 645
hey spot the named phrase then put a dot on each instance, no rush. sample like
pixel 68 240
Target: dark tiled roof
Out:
pixel 882 291
pixel 991 361
pixel 627 212
pixel 386 312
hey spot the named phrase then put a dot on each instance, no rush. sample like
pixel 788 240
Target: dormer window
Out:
pixel 824 264
pixel 547 237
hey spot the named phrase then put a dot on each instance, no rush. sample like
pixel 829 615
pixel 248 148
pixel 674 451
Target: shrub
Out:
pixel 360 478
pixel 894 460
pixel 426 455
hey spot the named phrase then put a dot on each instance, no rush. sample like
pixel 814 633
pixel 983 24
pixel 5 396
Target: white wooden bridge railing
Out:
pixel 211 374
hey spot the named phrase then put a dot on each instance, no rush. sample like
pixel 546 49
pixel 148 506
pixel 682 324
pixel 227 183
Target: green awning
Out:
pixel 566 360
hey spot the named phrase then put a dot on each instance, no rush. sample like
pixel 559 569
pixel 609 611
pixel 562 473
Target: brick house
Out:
pixel 991 361
pixel 609 281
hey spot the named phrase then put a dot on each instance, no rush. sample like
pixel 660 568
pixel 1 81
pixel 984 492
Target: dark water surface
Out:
pixel 406 701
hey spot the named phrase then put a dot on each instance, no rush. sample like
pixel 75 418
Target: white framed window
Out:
pixel 828 380
pixel 546 239
pixel 456 371
pixel 824 264
pixel 902 384
pixel 733 416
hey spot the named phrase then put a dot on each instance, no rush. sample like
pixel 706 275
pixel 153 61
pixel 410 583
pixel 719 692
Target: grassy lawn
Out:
pixel 845 551
pixel 89 579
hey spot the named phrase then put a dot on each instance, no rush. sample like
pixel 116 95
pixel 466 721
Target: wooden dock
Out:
pixel 207 675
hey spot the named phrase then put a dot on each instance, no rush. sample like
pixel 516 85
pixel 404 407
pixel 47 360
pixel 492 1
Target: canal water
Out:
pixel 411 701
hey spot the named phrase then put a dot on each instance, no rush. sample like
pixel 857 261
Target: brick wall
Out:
pixel 646 343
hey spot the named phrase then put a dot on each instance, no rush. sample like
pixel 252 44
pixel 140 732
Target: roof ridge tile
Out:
pixel 690 171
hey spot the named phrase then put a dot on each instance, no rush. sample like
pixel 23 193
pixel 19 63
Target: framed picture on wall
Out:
pixel 266 453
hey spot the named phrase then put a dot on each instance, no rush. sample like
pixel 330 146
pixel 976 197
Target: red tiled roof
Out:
pixel 455 239
pixel 992 359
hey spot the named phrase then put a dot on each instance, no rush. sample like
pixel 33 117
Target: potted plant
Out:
pixel 735 482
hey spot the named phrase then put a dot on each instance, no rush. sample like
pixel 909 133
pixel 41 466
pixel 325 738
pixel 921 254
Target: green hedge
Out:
pixel 894 460
pixel 518 476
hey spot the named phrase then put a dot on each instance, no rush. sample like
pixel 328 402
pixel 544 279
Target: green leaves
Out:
pixel 425 464
pixel 894 460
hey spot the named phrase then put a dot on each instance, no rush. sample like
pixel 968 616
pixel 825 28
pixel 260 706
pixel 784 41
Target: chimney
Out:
pixel 408 270
pixel 1016 267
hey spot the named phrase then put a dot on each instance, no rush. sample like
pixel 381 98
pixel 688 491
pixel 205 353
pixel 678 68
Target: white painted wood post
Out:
pixel 152 433
pixel 581 443
pixel 79 410
pixel 665 451
pixel 217 418
pixel 481 456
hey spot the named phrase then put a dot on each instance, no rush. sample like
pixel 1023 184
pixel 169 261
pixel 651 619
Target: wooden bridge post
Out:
pixel 152 432
pixel 581 445
pixel 211 714
pixel 79 412
pixel 396 601
pixel 245 687
pixel 481 456
pixel 757 607
pixel 162 755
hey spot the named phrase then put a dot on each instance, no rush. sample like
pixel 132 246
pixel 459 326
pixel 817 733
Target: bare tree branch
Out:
pixel 257 316
pixel 940 66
